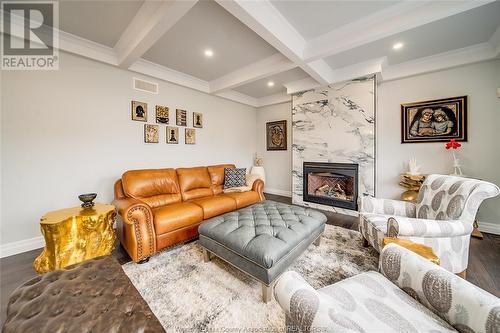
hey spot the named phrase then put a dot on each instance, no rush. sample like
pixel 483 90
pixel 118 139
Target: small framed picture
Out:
pixel 197 120
pixel 139 111
pixel 276 135
pixel 181 117
pixel 151 133
pixel 190 136
pixel 172 134
pixel 161 114
pixel 438 120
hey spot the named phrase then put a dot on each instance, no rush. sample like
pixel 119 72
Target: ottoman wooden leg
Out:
pixel 317 242
pixel 267 292
pixel 364 242
pixel 206 255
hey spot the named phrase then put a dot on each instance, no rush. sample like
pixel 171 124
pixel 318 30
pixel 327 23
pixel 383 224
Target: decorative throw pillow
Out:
pixel 234 177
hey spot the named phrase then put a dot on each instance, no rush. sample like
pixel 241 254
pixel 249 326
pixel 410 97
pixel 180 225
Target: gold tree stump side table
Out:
pixel 75 234
pixel 412 183
pixel 420 249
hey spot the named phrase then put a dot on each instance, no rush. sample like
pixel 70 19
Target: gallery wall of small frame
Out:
pixel 139 112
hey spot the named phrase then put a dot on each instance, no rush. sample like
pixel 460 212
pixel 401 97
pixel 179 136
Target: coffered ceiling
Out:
pixel 259 52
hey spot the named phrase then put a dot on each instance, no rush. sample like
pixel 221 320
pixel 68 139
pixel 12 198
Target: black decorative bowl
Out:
pixel 87 199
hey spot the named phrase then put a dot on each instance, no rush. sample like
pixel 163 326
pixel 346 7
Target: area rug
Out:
pixel 187 294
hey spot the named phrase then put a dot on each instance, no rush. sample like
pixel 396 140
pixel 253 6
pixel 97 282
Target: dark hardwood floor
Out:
pixel 483 270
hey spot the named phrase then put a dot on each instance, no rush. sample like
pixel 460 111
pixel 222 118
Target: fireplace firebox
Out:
pixel 332 184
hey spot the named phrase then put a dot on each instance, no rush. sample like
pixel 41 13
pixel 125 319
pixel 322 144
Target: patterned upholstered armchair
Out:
pixel 442 218
pixel 410 294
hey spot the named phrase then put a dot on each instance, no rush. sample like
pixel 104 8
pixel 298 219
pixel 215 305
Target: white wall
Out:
pixel 68 132
pixel 277 164
pixel 480 156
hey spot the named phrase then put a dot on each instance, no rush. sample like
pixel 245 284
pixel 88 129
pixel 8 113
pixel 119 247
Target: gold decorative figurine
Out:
pixel 75 234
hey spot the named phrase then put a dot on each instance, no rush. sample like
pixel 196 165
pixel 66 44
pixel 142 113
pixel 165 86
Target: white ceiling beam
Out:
pixel 264 68
pixel 395 19
pixel 273 99
pixel 266 21
pixel 153 19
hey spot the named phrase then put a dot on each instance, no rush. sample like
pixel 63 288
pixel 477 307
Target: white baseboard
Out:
pixel 277 192
pixel 9 249
pixel 490 228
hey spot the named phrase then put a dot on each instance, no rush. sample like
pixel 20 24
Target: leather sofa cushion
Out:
pixel 194 183
pixel 217 176
pixel 244 199
pixel 175 216
pixel 215 205
pixel 156 187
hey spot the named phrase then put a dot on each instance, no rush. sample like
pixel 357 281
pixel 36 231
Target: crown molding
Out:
pixel 152 21
pixel 272 65
pixel 464 56
pixel 395 19
pixel 273 99
pixel 301 85
pixel 146 67
pixel 372 66
pixel 239 97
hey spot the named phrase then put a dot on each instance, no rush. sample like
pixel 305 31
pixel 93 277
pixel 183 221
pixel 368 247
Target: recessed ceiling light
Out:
pixel 397 46
pixel 209 53
pixel 270 84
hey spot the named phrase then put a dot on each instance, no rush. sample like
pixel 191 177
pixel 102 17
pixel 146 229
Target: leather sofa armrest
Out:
pixel 258 186
pixel 137 233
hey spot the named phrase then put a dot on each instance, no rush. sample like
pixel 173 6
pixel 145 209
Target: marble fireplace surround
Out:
pixel 335 124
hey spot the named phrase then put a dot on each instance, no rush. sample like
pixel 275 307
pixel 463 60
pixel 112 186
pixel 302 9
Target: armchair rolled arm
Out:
pixel 387 207
pixel 258 186
pixel 446 294
pixel 137 234
pixel 405 226
pixel 295 296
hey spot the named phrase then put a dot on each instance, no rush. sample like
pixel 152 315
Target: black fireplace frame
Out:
pixel 340 168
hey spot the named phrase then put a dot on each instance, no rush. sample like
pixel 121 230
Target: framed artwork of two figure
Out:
pixel 438 120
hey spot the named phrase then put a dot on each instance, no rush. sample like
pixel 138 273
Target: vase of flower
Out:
pixel 454 145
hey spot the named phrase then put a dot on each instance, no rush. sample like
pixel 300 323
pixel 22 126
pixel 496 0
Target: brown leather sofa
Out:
pixel 160 208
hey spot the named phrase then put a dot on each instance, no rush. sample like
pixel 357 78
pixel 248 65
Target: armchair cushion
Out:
pixel 387 206
pixel 366 302
pixel 465 306
pixel 404 226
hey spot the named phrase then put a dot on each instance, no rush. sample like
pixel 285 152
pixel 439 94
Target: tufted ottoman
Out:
pixel 93 296
pixel 262 240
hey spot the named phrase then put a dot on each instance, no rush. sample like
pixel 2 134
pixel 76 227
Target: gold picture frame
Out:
pixel 162 114
pixel 438 120
pixel 197 120
pixel 139 111
pixel 180 117
pixel 172 135
pixel 151 133
pixel 190 136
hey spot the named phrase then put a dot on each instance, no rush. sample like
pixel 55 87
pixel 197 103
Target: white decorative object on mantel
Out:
pixel 259 170
pixel 413 167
